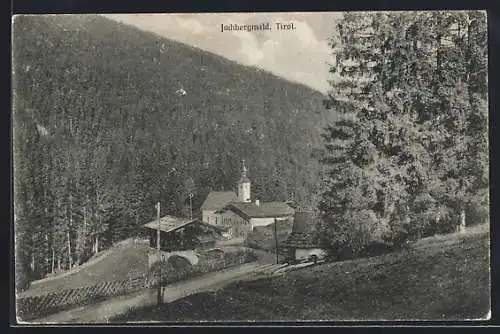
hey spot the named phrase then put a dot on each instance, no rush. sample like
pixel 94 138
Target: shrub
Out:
pixel 446 220
pixel 399 225
pixel 477 213
pixel 375 249
pixel 264 238
pixel 174 269
pixel 351 234
pixel 22 279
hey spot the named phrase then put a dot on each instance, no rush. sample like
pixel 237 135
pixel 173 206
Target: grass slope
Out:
pixel 447 278
pixel 120 262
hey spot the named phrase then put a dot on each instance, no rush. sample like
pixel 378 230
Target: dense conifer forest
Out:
pixel 108 120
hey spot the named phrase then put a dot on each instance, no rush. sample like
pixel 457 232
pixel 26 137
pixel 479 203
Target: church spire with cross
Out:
pixel 244 184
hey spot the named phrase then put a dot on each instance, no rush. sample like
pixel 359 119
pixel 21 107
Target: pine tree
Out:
pixel 404 81
pixel 462 97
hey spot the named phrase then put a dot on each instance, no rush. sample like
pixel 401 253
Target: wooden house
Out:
pixel 244 217
pixel 181 236
pixel 303 241
pixel 216 201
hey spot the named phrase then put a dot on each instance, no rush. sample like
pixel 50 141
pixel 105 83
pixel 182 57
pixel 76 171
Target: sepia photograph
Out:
pixel 251 167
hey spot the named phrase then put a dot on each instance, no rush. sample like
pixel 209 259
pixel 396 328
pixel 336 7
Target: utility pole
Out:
pixel 276 237
pixel 190 206
pixel 158 295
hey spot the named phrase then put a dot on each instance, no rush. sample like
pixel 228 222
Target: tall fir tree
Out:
pixel 403 81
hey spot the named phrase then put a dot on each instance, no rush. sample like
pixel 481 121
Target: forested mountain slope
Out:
pixel 109 119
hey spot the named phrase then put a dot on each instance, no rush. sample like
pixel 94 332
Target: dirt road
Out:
pixel 101 312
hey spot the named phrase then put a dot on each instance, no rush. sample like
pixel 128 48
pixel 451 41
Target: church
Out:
pixel 239 213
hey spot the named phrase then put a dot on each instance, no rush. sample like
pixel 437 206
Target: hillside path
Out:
pixel 102 311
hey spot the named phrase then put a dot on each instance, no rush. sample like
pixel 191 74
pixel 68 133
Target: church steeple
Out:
pixel 244 184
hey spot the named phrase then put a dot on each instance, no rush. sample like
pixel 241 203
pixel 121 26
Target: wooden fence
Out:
pixel 38 306
pixel 204 266
pixel 228 260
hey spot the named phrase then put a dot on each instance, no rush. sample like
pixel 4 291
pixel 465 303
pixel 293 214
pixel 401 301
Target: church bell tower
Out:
pixel 244 185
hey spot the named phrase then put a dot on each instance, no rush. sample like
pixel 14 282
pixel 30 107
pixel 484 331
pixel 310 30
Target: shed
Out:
pixel 304 240
pixel 182 233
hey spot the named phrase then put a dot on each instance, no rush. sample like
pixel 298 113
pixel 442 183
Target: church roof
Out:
pixel 170 223
pixel 217 200
pixel 263 210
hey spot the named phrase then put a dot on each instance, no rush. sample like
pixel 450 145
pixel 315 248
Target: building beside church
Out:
pixel 216 201
pixel 238 213
pixel 244 217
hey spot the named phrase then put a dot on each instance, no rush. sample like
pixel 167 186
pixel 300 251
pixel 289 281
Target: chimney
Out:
pixel 257 202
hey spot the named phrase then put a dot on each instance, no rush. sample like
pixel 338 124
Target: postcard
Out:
pixel 251 167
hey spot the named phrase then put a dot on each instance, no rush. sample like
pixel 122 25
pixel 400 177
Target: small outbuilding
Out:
pixel 303 241
pixel 181 236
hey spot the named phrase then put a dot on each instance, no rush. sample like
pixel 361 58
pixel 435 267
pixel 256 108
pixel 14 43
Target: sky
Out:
pixel 300 55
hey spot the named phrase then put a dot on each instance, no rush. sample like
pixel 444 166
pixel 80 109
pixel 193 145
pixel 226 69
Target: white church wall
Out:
pixel 244 192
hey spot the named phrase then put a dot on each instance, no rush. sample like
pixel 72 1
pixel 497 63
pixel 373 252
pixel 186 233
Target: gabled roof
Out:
pixel 263 210
pixel 171 223
pixel 304 233
pixel 305 222
pixel 216 200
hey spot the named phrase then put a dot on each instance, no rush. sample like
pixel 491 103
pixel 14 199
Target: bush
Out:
pixel 351 234
pixel 232 257
pixel 263 237
pixel 399 225
pixel 426 223
pixel 211 254
pixel 174 269
pixel 477 213
pixel 376 248
pixel 22 278
pixel 446 220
